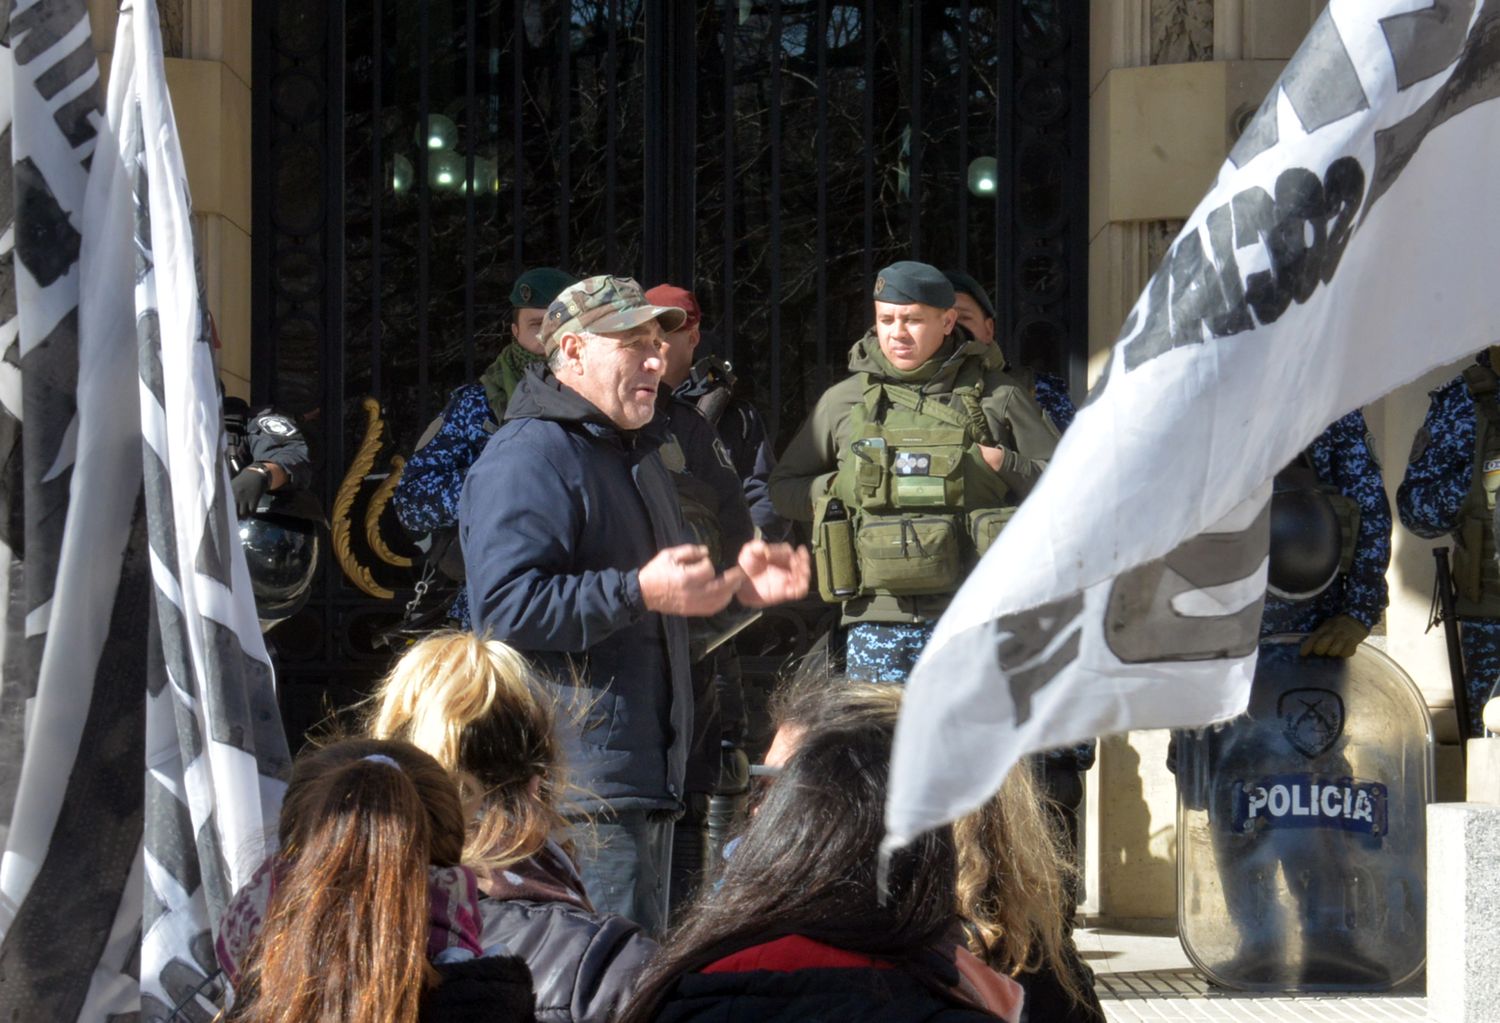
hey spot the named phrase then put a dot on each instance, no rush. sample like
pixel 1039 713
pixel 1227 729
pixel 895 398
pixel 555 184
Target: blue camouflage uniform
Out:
pixel 1438 477
pixel 1342 458
pixel 426 499
pixel 1052 395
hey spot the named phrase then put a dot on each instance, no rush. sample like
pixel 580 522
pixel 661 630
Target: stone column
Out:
pixel 207 45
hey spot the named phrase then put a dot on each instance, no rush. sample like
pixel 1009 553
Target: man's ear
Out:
pixel 989 325
pixel 571 345
pixel 693 338
pixel 950 317
pixel 515 328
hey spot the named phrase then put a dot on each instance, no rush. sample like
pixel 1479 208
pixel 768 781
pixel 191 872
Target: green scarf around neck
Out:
pixel 502 376
pixel 922 373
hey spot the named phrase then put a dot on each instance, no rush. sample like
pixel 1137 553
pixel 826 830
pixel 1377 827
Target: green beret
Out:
pixel 906 282
pixel 537 287
pixel 969 286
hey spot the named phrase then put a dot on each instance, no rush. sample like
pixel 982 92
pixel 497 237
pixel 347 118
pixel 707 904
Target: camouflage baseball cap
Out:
pixel 604 305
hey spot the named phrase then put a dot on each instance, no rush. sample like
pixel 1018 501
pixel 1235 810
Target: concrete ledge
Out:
pixel 1160 134
pixel 1463 903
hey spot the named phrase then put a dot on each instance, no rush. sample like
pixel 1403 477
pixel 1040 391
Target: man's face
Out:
pixel 677 351
pixel 619 372
pixel 526 328
pixel 909 335
pixel 973 318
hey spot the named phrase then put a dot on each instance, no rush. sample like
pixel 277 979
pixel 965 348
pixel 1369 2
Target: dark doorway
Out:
pixel 413 155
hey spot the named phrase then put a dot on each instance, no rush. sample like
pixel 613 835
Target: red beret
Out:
pixel 680 298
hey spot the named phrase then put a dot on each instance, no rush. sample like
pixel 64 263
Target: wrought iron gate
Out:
pixel 413 155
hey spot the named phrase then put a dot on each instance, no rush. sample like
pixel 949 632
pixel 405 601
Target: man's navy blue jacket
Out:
pixel 556 518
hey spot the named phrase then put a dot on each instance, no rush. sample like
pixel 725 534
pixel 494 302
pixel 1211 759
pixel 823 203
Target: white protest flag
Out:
pixel 1348 245
pixel 48 108
pixel 216 755
pixel 153 764
pixel 73 844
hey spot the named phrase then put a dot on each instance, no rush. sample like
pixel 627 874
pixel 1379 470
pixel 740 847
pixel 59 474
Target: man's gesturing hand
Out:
pixel 682 581
pixel 772 573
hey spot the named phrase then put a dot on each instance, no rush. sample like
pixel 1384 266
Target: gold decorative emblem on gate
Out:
pixel 357 480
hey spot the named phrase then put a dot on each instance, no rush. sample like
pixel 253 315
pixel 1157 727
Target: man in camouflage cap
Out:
pixel 909 468
pixel 573 537
pixel 426 498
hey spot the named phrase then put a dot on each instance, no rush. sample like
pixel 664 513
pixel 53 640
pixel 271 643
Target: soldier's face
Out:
pixel 909 335
pixel 973 318
pixel 619 372
pixel 677 350
pixel 526 328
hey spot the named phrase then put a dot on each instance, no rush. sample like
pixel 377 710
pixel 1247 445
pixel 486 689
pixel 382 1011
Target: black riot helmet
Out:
pixel 1306 537
pixel 282 549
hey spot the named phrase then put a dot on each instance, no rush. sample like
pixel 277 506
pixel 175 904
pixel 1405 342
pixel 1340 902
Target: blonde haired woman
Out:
pixel 477 708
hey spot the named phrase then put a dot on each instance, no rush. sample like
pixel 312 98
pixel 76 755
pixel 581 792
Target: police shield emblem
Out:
pixel 1312 719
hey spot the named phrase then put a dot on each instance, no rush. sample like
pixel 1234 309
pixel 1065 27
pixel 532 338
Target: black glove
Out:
pixel 249 486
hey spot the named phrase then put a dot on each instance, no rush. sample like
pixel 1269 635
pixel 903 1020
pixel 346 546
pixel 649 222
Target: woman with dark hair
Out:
pixel 1013 873
pixel 364 915
pixel 801 927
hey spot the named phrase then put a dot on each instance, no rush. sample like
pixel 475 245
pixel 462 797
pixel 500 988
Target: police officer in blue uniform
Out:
pixel 1449 488
pixel 426 498
pixel 266 453
pixel 976 313
pixel 1338 619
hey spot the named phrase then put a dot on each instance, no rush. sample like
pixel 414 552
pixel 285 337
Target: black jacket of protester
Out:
pixel 491 989
pixel 556 518
pixel 761 984
pixel 584 965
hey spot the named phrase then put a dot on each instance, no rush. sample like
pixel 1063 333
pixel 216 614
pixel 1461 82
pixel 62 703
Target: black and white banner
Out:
pixel 1348 245
pixel 49 109
pixel 171 753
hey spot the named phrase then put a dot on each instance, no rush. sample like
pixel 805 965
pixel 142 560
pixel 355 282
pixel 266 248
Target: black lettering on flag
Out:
pixel 1474 80
pixel 1190 294
pixel 68 70
pixel 148 347
pixel 1320 83
pixel 75 118
pixel 163 527
pixel 171 829
pixel 46 242
pixel 34 31
pixel 98 829
pixel 245 701
pixel 1141 625
pixel 1424 42
pixel 1022 637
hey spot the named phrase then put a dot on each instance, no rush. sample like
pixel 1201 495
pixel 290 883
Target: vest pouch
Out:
pixel 931 476
pixel 1467 567
pixel 870 459
pixel 985 525
pixel 909 555
pixel 834 558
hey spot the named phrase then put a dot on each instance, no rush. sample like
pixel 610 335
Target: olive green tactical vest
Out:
pixel 916 502
pixel 1476 577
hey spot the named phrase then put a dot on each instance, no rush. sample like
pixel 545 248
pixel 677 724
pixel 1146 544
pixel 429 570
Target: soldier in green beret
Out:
pixel 909 468
pixel 426 499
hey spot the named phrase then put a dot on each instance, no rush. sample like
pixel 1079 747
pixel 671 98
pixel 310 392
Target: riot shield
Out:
pixel 1301 845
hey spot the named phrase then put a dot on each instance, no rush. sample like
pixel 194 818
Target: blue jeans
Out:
pixel 626 865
